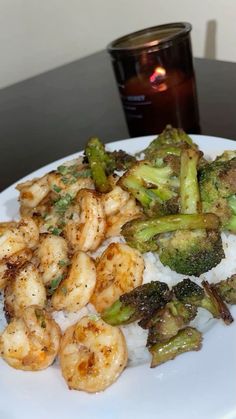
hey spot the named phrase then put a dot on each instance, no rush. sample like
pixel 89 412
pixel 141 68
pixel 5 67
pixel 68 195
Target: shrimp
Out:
pixel 86 230
pixel 11 264
pixel 119 270
pixel 92 355
pixel 68 183
pixel 24 289
pixel 114 200
pixel 128 212
pixel 75 291
pixel 14 237
pixel 33 191
pixel 31 342
pixel 53 257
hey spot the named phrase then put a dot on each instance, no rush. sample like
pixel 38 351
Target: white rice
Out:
pixel 135 336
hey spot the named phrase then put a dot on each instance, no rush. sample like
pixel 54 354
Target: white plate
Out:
pixel 197 385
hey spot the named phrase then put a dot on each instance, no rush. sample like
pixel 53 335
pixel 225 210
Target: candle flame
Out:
pixel 158 74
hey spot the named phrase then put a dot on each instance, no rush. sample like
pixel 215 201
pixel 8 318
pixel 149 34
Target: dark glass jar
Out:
pixel 155 77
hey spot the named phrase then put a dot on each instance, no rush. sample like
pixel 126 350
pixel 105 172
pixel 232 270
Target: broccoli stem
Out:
pixel 217 306
pixel 98 159
pixel 144 230
pixel 137 304
pixel 188 339
pixel 118 314
pixel 189 190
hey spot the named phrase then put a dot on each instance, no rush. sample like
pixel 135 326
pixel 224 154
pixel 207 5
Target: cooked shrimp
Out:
pixel 128 212
pixel 53 257
pixel 75 291
pixel 92 355
pixel 67 184
pixel 31 342
pixel 114 200
pixel 14 237
pixel 24 289
pixel 33 191
pixel 10 265
pixel 86 230
pixel 119 270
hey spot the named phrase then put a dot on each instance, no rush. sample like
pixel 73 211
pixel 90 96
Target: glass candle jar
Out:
pixel 155 77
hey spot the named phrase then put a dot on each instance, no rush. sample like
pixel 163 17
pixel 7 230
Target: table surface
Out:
pixel 52 115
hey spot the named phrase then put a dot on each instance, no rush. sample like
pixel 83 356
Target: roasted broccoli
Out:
pixel 227 289
pixel 188 292
pixel 167 321
pixel 169 143
pixel 138 304
pixel 188 339
pixel 191 252
pixel 103 163
pixel 143 233
pixel 217 182
pixel 156 188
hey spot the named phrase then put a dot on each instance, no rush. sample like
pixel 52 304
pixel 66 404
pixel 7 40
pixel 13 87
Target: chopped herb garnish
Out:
pixel 63 262
pixel 55 230
pixel 56 188
pixel 63 170
pixel 54 284
pixel 63 203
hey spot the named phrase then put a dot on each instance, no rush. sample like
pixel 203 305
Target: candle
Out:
pixel 152 101
pixel 155 77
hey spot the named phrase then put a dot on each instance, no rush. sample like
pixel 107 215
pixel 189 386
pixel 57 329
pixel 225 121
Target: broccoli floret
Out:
pixel 137 304
pixel 188 292
pixel 143 234
pixel 188 339
pixel 120 160
pixel 103 163
pixel 227 289
pixel 170 142
pixel 167 322
pixel 191 253
pixel 156 188
pixel 217 182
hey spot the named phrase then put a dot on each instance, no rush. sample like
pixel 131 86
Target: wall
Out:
pixel 38 35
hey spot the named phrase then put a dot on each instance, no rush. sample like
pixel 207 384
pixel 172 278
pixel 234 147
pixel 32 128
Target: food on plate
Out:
pixel 24 288
pixel 92 355
pixel 119 270
pixel 30 342
pixel 86 226
pixel 218 189
pixel 103 252
pixel 51 251
pixel 76 289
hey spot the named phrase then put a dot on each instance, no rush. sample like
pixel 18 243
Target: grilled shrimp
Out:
pixel 86 230
pixel 10 265
pixel 75 291
pixel 119 270
pixel 25 288
pixel 114 200
pixel 15 236
pixel 72 187
pixel 53 257
pixel 33 191
pixel 128 212
pixel 31 342
pixel 92 355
